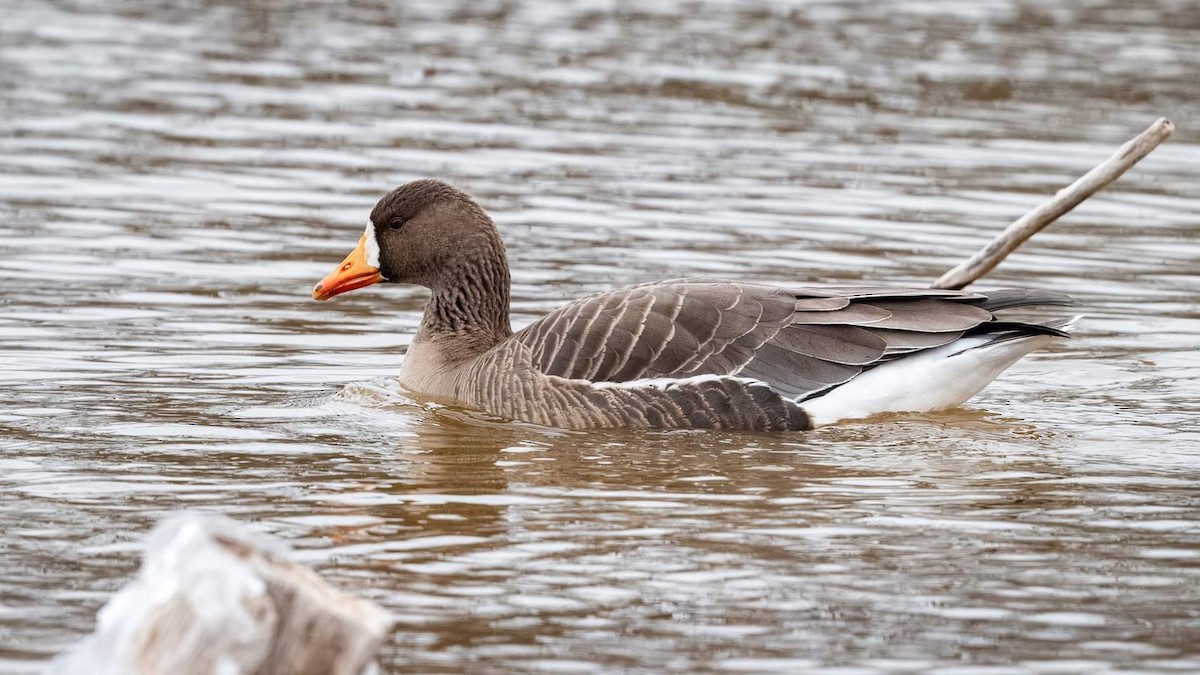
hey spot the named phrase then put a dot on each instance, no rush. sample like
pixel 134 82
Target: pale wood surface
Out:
pixel 214 597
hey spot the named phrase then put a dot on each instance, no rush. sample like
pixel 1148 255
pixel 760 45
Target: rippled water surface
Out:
pixel 173 179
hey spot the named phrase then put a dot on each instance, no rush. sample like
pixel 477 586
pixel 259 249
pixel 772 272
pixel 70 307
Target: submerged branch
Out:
pixel 1066 199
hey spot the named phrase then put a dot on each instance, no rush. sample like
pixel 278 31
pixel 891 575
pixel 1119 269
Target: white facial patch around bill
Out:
pixel 372 246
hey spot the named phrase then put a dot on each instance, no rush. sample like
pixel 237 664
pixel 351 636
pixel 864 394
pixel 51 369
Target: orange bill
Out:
pixel 354 272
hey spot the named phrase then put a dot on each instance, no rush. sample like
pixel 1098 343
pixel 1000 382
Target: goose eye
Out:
pixel 396 223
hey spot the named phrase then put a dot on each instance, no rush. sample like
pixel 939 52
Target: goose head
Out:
pixel 425 233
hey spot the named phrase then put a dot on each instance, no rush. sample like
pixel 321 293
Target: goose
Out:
pixel 681 353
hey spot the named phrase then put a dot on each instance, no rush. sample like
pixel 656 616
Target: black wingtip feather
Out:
pixel 1016 329
pixel 1008 298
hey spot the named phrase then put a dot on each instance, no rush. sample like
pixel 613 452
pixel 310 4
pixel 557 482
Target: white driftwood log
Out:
pixel 1066 199
pixel 214 598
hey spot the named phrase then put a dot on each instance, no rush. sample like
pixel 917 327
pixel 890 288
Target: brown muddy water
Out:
pixel 175 177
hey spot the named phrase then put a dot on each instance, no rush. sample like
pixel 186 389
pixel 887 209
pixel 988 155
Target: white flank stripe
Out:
pixel 372 246
pixel 668 382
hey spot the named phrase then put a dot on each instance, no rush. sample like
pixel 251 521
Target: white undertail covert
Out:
pixel 937 379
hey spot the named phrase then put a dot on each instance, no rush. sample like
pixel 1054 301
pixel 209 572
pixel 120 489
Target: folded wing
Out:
pixel 799 342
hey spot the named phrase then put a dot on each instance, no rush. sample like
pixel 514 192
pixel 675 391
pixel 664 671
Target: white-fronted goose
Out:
pixel 684 353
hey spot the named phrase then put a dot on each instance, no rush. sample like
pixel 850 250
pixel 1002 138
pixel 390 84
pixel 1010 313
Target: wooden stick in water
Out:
pixel 1066 199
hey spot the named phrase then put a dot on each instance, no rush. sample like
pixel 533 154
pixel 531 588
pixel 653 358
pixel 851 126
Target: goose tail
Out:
pixel 939 378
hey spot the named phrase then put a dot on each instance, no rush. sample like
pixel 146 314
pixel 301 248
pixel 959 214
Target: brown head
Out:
pixel 426 233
